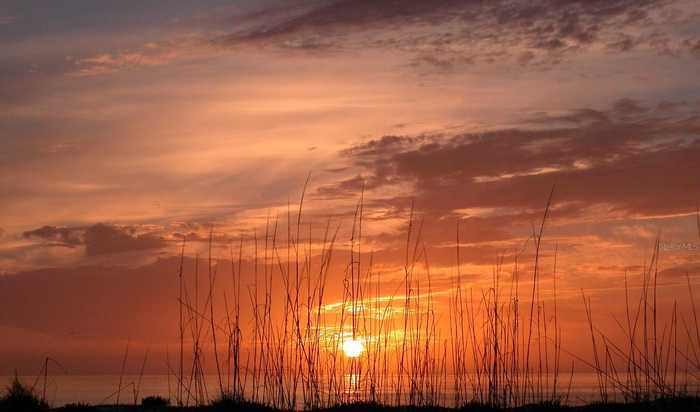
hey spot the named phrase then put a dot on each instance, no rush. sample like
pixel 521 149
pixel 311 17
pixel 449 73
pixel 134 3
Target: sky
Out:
pixel 128 126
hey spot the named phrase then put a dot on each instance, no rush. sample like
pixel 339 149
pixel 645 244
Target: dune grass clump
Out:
pixel 21 398
pixel 229 402
pixel 155 403
pixel 77 407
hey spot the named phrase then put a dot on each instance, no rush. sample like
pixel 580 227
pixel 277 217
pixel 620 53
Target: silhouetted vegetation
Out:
pixel 231 403
pixel 76 407
pixel 155 403
pixel 674 404
pixel 21 398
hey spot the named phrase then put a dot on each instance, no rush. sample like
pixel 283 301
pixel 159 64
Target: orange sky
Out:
pixel 124 127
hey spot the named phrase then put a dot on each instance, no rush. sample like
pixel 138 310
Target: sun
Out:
pixel 352 348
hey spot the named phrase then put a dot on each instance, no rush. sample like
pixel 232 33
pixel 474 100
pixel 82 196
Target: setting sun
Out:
pixel 352 348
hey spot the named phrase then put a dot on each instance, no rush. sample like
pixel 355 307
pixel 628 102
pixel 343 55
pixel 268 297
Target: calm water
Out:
pixel 96 389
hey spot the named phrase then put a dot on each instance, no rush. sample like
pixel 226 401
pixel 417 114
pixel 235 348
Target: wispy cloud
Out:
pixel 442 35
pixel 450 34
pixel 149 54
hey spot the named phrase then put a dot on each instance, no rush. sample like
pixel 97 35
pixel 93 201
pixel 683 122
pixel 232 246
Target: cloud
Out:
pixel 99 239
pixel 615 157
pixel 149 54
pixel 104 239
pixel 436 36
pixel 62 235
pixel 447 34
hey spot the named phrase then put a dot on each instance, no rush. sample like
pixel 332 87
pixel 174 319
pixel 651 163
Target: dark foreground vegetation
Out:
pixel 662 405
pixel 20 398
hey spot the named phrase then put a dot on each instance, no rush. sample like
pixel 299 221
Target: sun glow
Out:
pixel 352 348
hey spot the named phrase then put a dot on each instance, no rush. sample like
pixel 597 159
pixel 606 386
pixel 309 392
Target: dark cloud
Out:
pixel 99 239
pixel 581 116
pixel 381 145
pixel 615 158
pixel 190 236
pixel 464 32
pixel 104 239
pixel 628 107
pixel 569 18
pixel 693 45
pixel 623 43
pixel 64 235
pixel 681 271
